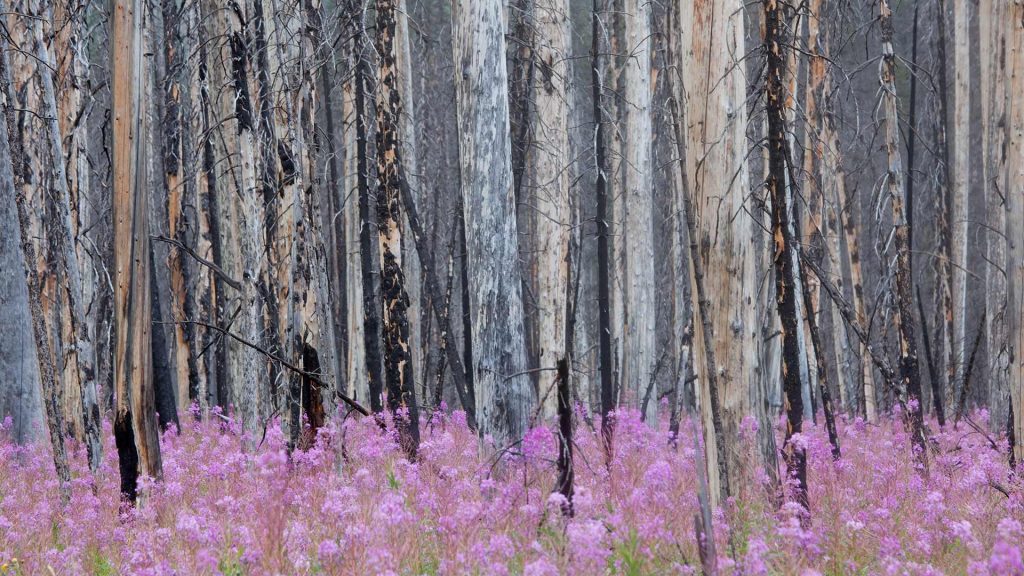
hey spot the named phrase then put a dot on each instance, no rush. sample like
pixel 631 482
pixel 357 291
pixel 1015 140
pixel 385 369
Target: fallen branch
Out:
pixel 274 357
pixel 217 269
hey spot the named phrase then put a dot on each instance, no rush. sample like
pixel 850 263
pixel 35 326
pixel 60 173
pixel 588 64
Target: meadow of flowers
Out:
pixel 233 503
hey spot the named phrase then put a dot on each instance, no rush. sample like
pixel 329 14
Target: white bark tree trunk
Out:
pixel 960 192
pixel 549 161
pixel 504 394
pixel 715 85
pixel 637 235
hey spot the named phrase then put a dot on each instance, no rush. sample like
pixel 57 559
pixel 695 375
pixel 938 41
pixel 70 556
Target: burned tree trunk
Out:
pixel 909 372
pixel 564 485
pixel 603 232
pixel 398 364
pixel 371 310
pixel 788 278
pixel 50 390
pixel 67 259
pixel 135 427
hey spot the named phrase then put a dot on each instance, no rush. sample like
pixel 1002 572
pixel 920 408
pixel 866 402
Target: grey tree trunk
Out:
pixel 1015 205
pixel 19 363
pixel 991 16
pixel 504 395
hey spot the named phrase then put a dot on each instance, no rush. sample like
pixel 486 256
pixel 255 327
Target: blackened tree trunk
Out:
pixel 909 372
pixel 788 279
pixel 371 303
pixel 603 233
pixel 398 365
pixel 50 390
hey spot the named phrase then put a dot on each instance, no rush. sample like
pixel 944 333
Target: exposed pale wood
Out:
pixel 910 378
pixel 711 38
pixel 549 163
pixel 135 416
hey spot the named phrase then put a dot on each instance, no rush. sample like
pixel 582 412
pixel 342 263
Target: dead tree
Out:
pixel 398 364
pixel 135 426
pixel 50 390
pixel 788 278
pixel 909 371
pixel 603 233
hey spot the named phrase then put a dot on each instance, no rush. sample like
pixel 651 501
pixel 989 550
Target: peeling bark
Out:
pixel 135 417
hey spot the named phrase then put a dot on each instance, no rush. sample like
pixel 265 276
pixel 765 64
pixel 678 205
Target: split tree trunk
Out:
pixel 135 427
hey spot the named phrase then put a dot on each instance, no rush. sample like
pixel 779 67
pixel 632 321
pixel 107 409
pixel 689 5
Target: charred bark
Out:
pixel 398 361
pixel 605 361
pixel 788 279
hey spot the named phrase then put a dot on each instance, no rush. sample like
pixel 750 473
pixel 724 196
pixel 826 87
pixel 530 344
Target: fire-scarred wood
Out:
pixel 788 279
pixel 135 425
pixel 398 365
pixel 909 371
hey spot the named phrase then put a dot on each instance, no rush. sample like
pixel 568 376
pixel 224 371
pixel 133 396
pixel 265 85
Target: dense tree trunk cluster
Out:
pixel 529 210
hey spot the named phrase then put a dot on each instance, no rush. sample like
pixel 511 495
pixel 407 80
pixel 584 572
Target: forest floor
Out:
pixel 233 504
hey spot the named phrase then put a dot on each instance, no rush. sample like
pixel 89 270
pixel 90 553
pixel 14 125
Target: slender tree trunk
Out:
pixel 178 217
pixel 944 329
pixel 604 280
pixel 909 372
pixel 356 351
pixel 135 428
pixel 638 229
pixel 371 303
pixel 788 278
pixel 959 191
pixel 849 213
pixel 820 171
pixel 504 396
pixel 549 160
pixel 407 124
pixel 992 16
pixel 1015 205
pixel 398 361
